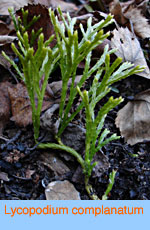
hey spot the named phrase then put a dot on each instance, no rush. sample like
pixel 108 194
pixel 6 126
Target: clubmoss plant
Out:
pixel 69 52
pixel 36 65
pixel 72 52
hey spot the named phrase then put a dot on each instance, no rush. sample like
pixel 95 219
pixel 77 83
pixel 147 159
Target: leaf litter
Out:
pixel 128 14
pixel 36 10
pixel 16 4
pixel 20 105
pixel 4 105
pixel 114 156
pixel 128 47
pixel 133 119
pixel 65 6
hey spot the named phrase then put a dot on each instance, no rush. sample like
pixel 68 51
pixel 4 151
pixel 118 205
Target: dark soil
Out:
pixel 19 156
pixel 27 175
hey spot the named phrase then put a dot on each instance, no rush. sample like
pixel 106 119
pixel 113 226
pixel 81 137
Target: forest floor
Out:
pixel 25 170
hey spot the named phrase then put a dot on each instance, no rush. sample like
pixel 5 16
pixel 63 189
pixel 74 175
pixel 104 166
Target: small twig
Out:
pixel 4 139
pixel 21 178
pixel 9 141
pixel 13 75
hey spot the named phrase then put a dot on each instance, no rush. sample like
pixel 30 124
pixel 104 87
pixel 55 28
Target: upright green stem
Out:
pixel 110 185
pixel 89 189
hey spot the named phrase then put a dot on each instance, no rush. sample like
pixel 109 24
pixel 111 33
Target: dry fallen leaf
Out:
pixel 61 190
pixel 65 6
pixel 49 121
pixel 130 14
pixel 20 105
pixel 116 9
pixel 4 105
pixel 139 22
pixel 43 22
pixel 133 119
pixel 128 47
pixel 16 4
pixel 4 30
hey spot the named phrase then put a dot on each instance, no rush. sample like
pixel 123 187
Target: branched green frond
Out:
pixel 12 14
pixel 69 51
pixel 112 103
pixel 72 53
pixel 36 66
pixel 14 65
pixel 103 142
pixel 124 71
pixel 110 185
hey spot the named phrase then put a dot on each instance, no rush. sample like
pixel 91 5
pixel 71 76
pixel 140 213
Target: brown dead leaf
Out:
pixel 6 25
pixel 4 105
pixel 20 105
pixel 139 22
pixel 16 4
pixel 4 30
pixel 43 22
pixel 133 119
pixel 61 190
pixel 130 14
pixel 116 9
pixel 49 121
pixel 128 47
pixel 65 6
